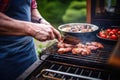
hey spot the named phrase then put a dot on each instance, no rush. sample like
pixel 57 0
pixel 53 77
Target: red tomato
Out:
pixel 101 32
pixel 118 32
pixel 114 30
pixel 114 37
pixel 108 30
pixel 103 36
pixel 111 33
pixel 108 36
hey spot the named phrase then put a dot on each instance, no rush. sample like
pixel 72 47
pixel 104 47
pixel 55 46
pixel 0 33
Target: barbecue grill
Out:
pixel 54 66
pixel 67 66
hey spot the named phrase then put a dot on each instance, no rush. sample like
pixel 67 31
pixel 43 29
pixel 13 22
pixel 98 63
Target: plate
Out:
pixel 112 34
pixel 106 39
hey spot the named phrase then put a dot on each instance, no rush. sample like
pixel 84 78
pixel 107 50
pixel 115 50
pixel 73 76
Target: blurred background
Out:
pixel 59 12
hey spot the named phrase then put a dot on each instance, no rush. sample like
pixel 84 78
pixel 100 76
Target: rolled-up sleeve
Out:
pixel 33 4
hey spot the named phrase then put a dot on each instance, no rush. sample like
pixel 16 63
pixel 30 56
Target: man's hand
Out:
pixel 43 32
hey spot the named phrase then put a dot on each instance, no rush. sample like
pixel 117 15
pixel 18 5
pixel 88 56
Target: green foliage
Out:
pixel 77 5
pixel 52 10
pixel 73 15
pixel 76 12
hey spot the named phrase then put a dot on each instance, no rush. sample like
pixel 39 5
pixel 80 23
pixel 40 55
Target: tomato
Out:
pixel 114 37
pixel 107 36
pixel 103 36
pixel 118 32
pixel 111 33
pixel 115 30
pixel 108 30
pixel 100 33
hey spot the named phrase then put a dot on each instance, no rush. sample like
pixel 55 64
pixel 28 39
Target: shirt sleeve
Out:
pixel 33 4
pixel 3 5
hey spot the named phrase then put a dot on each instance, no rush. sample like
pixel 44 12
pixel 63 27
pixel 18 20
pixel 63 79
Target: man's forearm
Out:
pixel 9 26
pixel 36 16
pixel 42 32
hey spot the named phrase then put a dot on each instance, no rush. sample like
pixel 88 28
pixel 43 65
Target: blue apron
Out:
pixel 17 53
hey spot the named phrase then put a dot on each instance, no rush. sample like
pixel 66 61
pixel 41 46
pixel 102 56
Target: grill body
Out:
pixel 53 66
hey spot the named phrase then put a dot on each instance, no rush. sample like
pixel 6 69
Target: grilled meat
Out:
pixel 83 49
pixel 95 44
pixel 64 45
pixel 64 50
pixel 71 40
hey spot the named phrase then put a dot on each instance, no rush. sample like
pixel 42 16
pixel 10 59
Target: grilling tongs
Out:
pixel 53 72
pixel 70 39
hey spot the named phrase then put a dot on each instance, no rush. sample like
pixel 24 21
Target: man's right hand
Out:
pixel 43 32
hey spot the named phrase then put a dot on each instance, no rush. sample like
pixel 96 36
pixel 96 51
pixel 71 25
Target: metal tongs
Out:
pixel 70 39
pixel 45 74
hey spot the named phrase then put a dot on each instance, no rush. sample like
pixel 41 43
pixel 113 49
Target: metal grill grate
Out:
pixel 73 72
pixel 98 56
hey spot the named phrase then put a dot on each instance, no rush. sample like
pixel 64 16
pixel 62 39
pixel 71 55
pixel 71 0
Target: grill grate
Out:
pixel 55 71
pixel 98 56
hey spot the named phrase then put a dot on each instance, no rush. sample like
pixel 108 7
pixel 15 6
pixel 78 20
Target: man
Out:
pixel 17 50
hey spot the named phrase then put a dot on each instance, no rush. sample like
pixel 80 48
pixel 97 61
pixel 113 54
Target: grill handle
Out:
pixel 64 73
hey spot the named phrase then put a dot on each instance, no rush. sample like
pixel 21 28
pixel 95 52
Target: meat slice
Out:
pixel 94 45
pixel 68 45
pixel 91 47
pixel 97 44
pixel 86 51
pixel 64 45
pixel 80 45
pixel 76 50
pixel 82 51
pixel 60 45
pixel 64 50
pixel 71 40
pixel 80 48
